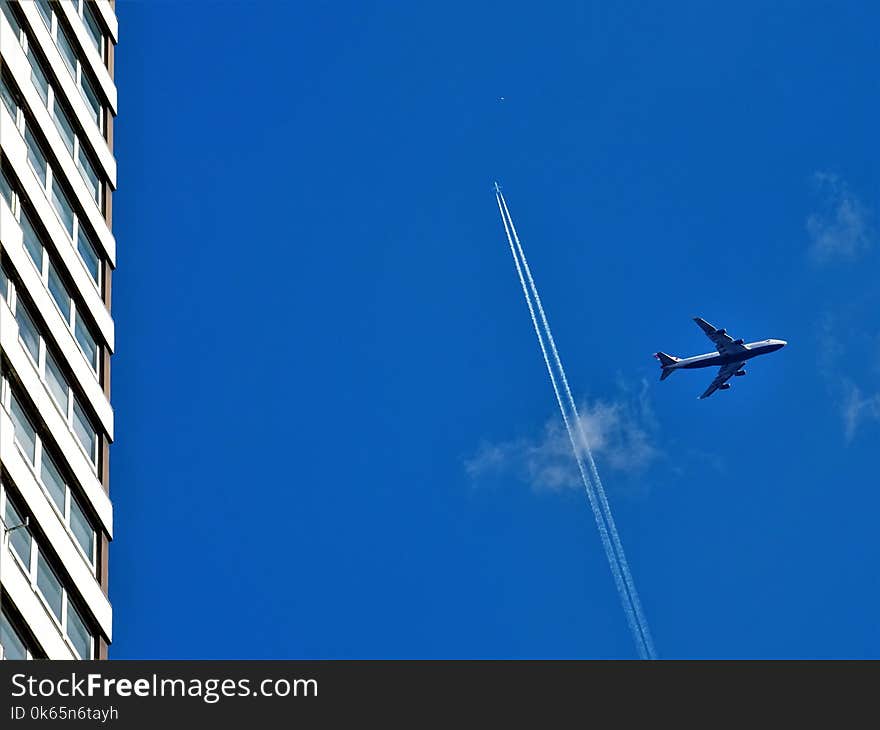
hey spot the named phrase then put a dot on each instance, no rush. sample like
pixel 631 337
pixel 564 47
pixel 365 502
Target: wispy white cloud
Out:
pixel 857 409
pixel 856 406
pixel 621 433
pixel 842 228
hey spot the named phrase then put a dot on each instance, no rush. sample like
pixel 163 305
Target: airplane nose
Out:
pixel 782 343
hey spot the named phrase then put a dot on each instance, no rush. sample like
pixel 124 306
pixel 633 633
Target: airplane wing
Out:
pixel 724 343
pixel 725 373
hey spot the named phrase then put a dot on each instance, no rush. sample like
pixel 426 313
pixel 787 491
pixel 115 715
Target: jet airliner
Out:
pixel 731 356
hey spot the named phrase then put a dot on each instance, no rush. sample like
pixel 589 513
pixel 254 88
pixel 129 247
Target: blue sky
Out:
pixel 321 334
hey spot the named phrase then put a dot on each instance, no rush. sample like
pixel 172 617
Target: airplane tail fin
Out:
pixel 667 362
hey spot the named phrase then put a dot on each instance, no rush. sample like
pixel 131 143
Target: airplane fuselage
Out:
pixel 729 356
pixel 710 359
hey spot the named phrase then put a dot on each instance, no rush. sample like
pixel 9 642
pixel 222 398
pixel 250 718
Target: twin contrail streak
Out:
pixel 595 492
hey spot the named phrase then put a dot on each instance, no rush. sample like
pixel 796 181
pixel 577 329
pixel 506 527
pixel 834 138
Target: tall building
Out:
pixel 57 174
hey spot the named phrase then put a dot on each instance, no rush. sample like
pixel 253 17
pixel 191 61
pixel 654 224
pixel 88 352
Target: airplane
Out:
pixel 732 355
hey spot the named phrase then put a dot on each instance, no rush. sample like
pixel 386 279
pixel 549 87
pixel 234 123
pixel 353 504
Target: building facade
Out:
pixel 57 254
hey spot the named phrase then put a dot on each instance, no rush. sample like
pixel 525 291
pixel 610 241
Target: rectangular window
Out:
pixel 20 539
pixel 4 285
pixel 89 255
pixel 62 207
pixel 32 241
pixel 27 331
pixel 24 432
pixel 8 98
pixel 93 27
pixel 67 51
pixel 90 176
pixel 91 98
pixel 6 189
pixel 82 528
pixel 86 342
pixel 13 646
pixel 59 292
pixel 57 384
pixel 45 11
pixel 36 157
pixel 49 585
pixel 65 128
pixel 85 432
pixel 78 633
pixel 10 16
pixel 41 83
pixel 52 480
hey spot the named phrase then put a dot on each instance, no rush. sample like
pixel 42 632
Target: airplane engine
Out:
pixel 720 332
pixel 725 386
pixel 740 372
pixel 740 341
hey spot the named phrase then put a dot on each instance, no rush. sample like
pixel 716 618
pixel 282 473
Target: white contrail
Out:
pixel 618 545
pixel 644 648
pixel 624 565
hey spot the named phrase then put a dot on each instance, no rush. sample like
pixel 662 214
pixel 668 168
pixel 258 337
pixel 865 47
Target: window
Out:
pixel 49 180
pixel 45 172
pixel 32 241
pixel 27 331
pixel 86 342
pixel 63 124
pixel 38 76
pixel 10 641
pixel 25 434
pixel 45 11
pixel 67 48
pixel 91 98
pixel 65 128
pixel 85 432
pixel 93 27
pixel 62 119
pixel 49 585
pixel 4 285
pixel 57 384
pixel 52 480
pixel 6 189
pixel 10 16
pixel 67 51
pixel 82 529
pixel 36 158
pixel 90 176
pixel 47 582
pixel 54 378
pixel 71 509
pixel 86 168
pixel 63 497
pixel 62 207
pixel 8 98
pixel 89 256
pixel 59 292
pixel 34 246
pixel 20 539
pixel 78 633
